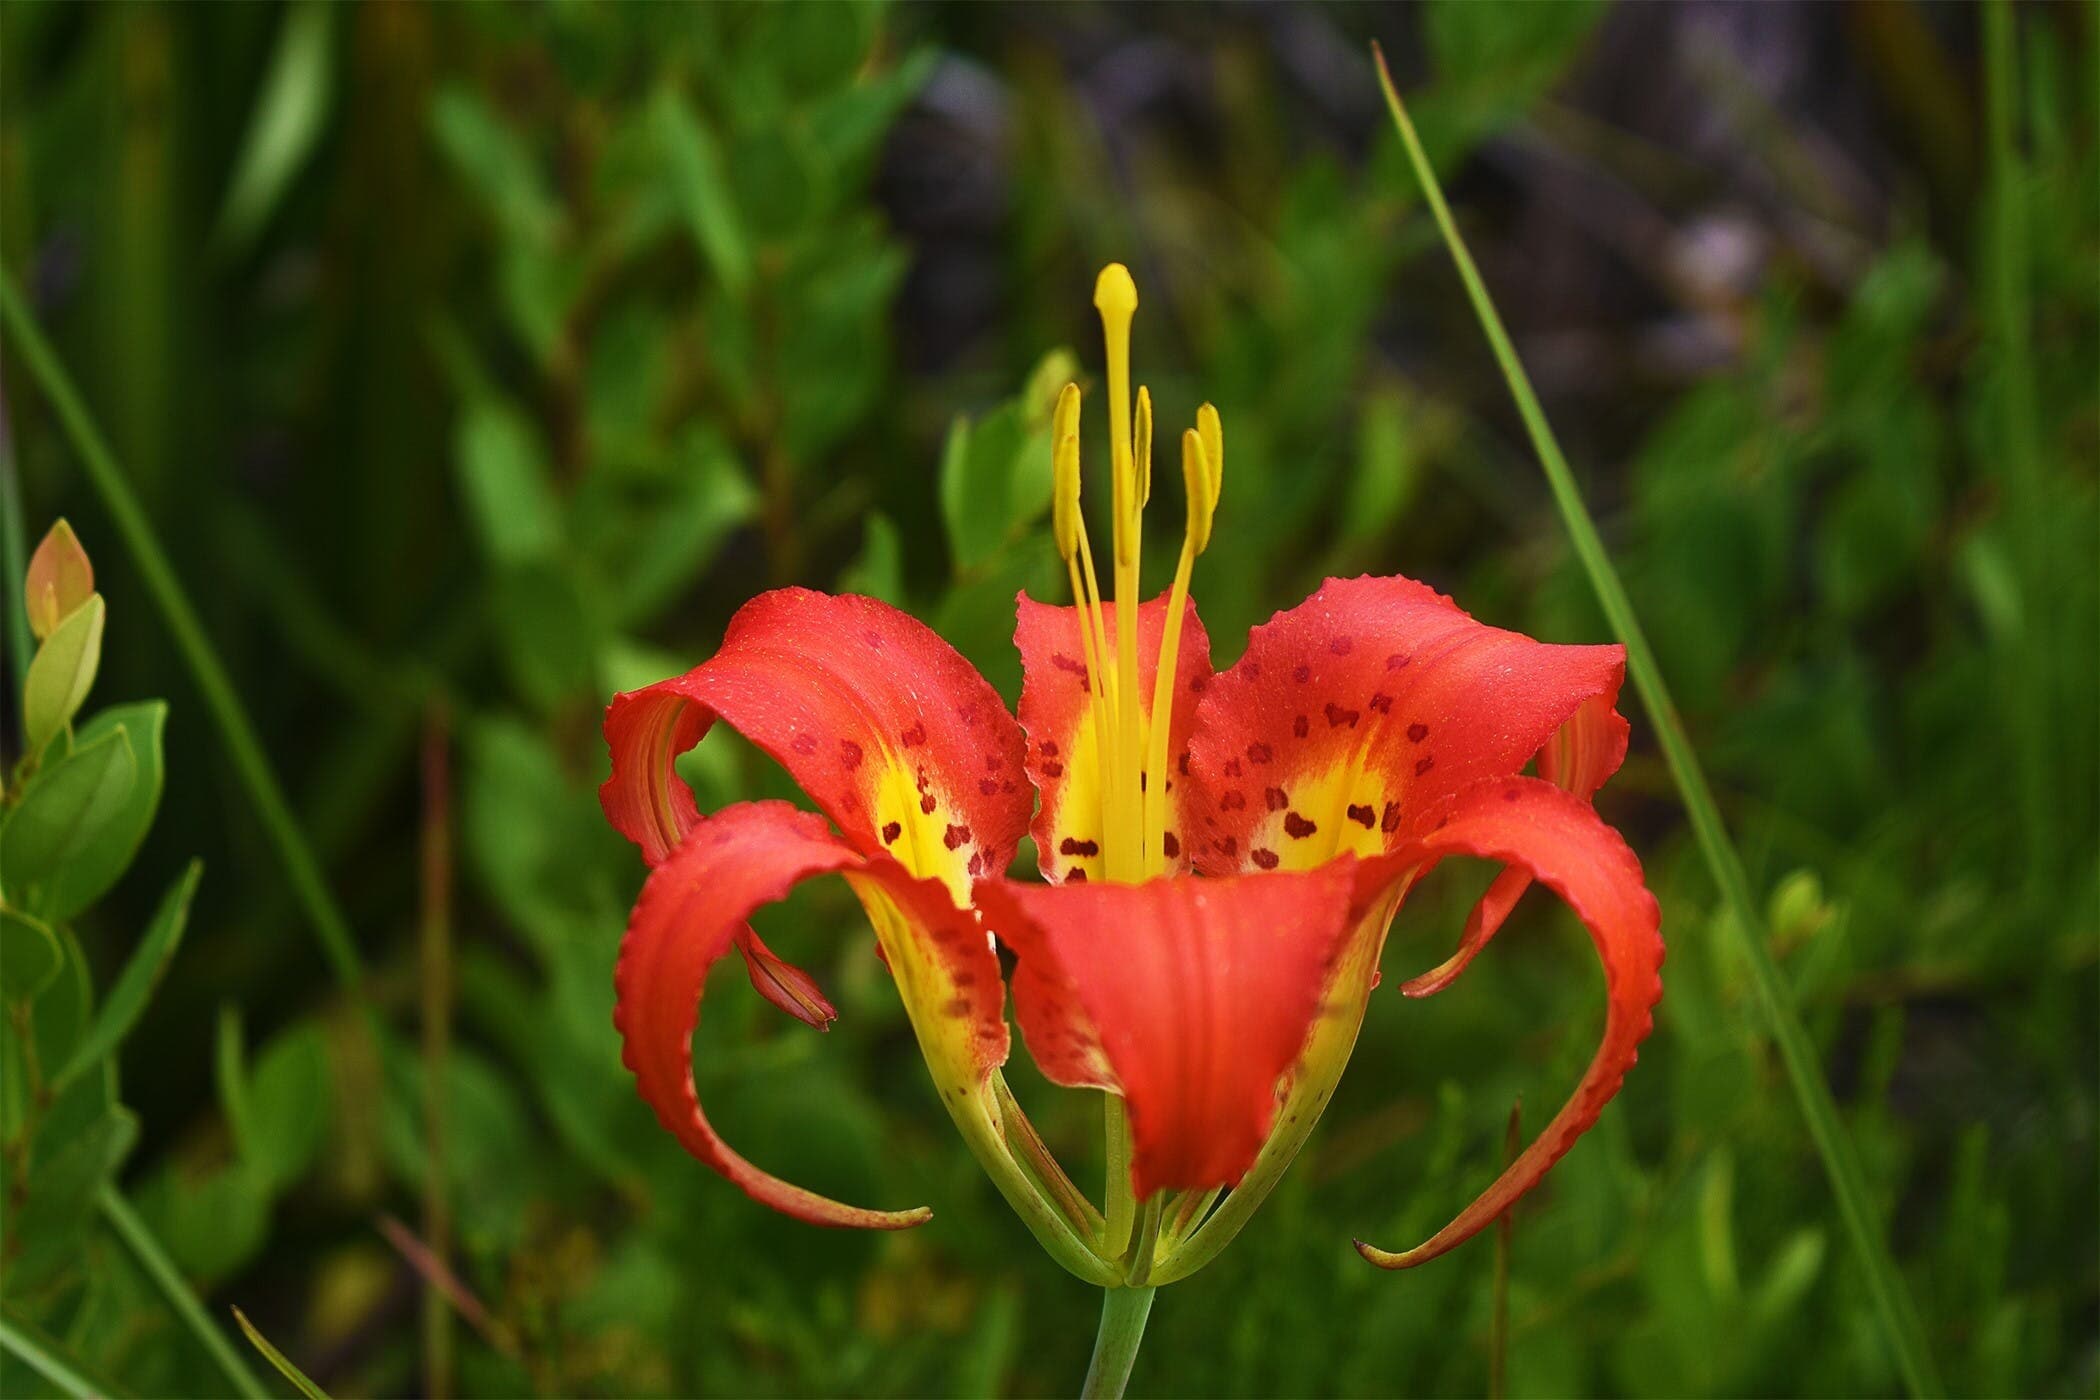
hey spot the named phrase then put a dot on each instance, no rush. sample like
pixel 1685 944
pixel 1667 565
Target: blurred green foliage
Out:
pixel 478 361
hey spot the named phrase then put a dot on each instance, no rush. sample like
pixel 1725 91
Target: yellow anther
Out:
pixel 1115 297
pixel 1213 449
pixel 1143 445
pixel 1201 481
pixel 1064 478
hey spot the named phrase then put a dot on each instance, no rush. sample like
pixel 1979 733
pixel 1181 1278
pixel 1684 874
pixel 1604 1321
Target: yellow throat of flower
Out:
pixel 1132 745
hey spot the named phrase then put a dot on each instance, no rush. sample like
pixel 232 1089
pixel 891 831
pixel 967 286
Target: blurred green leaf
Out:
pixel 288 122
pixel 68 807
pixel 878 570
pixel 504 484
pixel 99 864
pixel 51 1210
pixel 62 673
pixel 287 1103
pixel 142 972
pixel 693 167
pixel 498 163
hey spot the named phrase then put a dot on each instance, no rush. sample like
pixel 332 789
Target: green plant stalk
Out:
pixel 1123 1314
pixel 2007 308
pixel 154 1260
pixel 227 712
pixel 1898 1314
pixel 14 556
pixel 44 1356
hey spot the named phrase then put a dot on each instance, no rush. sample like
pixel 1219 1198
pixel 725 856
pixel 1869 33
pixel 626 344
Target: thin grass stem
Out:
pixel 300 866
pixel 1897 1313
pixel 168 1279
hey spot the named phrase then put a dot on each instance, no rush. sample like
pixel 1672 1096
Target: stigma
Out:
pixel 1130 739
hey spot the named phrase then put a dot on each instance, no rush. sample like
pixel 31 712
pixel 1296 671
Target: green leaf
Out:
pixel 693 165
pixel 498 163
pixel 879 570
pixel 62 673
pixel 29 956
pixel 102 861
pixel 141 974
pixel 549 639
pixel 66 809
pixel 230 1066
pixel 287 1104
pixel 505 485
pixel 287 123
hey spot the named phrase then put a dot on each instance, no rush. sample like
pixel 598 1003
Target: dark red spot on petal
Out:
pixel 1340 645
pixel 1277 799
pixel 1172 846
pixel 1183 763
pixel 1049 748
pixel 1228 845
pixel 1396 661
pixel 1389 819
pixel 1073 846
pixel 914 736
pixel 927 804
pixel 1301 726
pixel 988 786
pixel 1266 858
pixel 849 754
pixel 968 715
pixel 1075 876
pixel 1301 674
pixel 1252 670
pixel 1512 795
pixel 1361 812
pixel 956 1006
pixel 1337 716
pixel 1065 663
pixel 1416 733
pixel 1053 769
pixel 1297 827
pixel 1424 765
pixel 1198 684
pixel 992 762
pixel 1258 753
pixel 891 831
pixel 1232 801
pixel 1382 703
pixel 976 863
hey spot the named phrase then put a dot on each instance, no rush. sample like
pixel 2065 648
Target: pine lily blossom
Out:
pixel 1222 855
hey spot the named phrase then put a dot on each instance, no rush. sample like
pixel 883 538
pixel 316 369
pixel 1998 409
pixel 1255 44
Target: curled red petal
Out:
pixel 1196 995
pixel 893 734
pixel 1063 759
pixel 1561 842
pixel 784 984
pixel 1355 714
pixel 694 908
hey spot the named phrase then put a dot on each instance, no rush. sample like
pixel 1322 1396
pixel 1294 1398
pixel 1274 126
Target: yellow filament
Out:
pixel 1201 475
pixel 1115 298
pixel 1133 756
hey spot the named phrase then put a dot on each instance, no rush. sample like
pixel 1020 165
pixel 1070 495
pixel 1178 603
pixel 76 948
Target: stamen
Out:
pixel 1143 445
pixel 1064 472
pixel 1202 475
pixel 1115 298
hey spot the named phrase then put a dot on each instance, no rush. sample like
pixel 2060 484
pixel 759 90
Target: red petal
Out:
pixel 693 908
pixel 1559 840
pixel 1581 754
pixel 1354 714
pixel 885 725
pixel 784 984
pixel 1195 995
pixel 1063 760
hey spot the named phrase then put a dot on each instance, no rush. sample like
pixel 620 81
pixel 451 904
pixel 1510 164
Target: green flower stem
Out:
pixel 1123 1314
pixel 48 1359
pixel 1898 1314
pixel 1121 1205
pixel 161 1269
pixel 300 866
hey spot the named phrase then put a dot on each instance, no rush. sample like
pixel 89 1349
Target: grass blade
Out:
pixel 48 1359
pixel 231 717
pixel 276 1358
pixel 1898 1314
pixel 161 1269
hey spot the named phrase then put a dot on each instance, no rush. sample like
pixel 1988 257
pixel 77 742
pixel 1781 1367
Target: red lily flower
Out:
pixel 1223 855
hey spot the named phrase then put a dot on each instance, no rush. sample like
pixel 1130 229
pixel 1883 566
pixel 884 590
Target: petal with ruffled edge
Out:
pixel 694 908
pixel 1191 998
pixel 1368 705
pixel 1559 840
pixel 1057 711
pixel 885 725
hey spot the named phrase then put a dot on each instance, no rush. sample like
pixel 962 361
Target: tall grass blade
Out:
pixel 44 1355
pixel 161 1269
pixel 1899 1318
pixel 300 865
